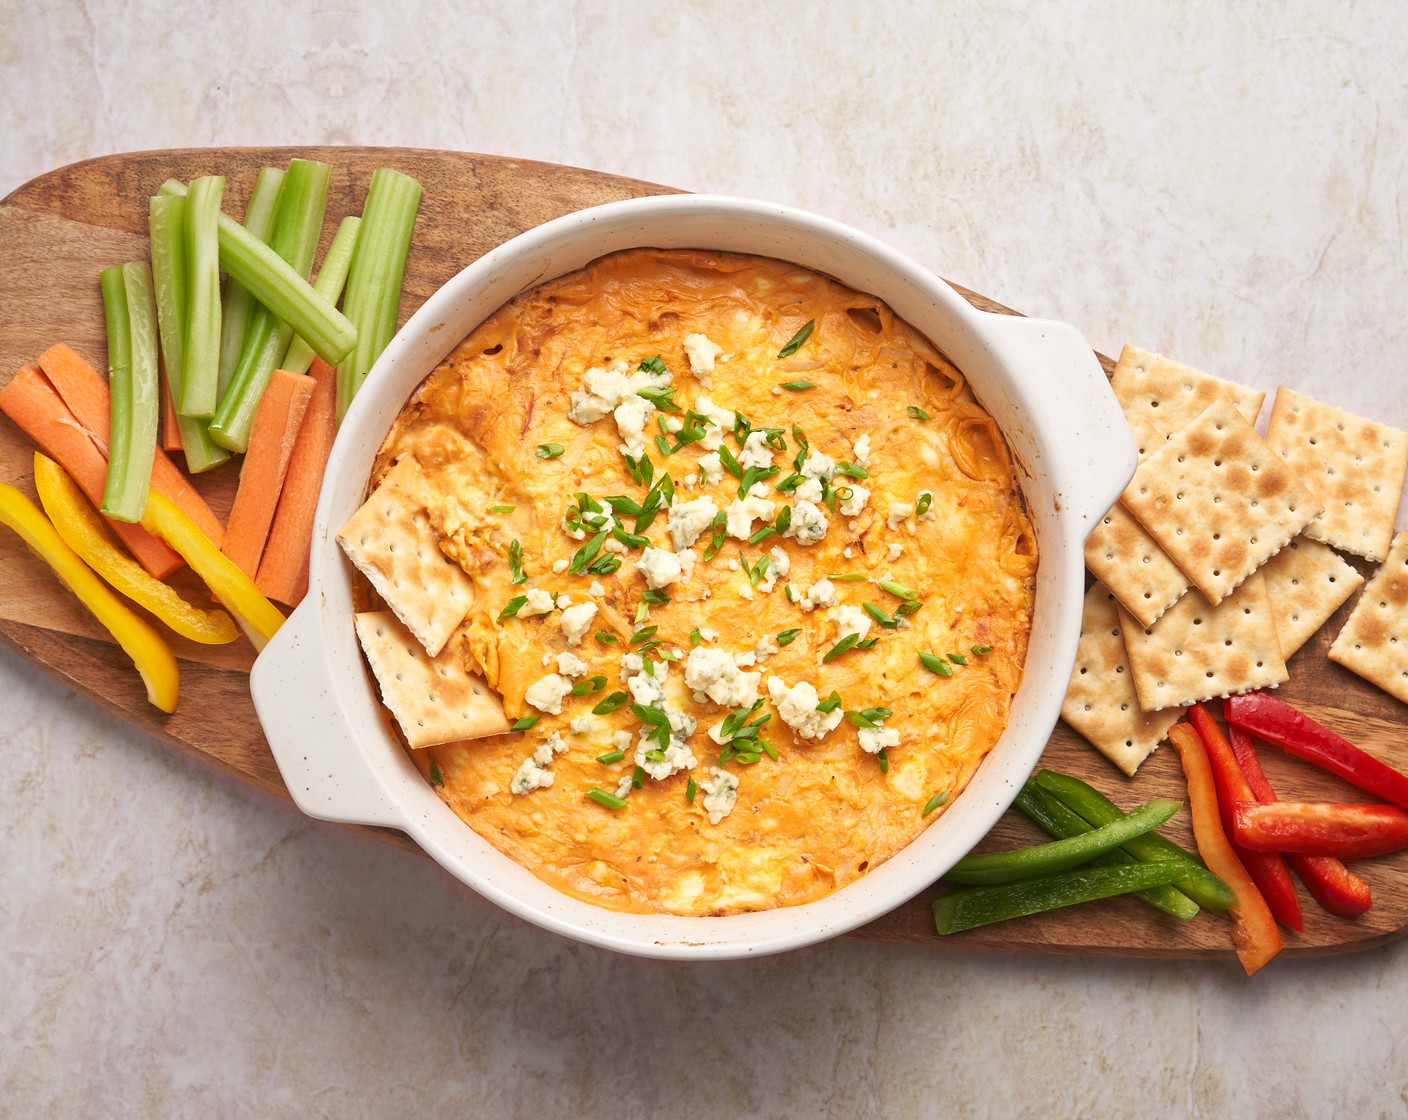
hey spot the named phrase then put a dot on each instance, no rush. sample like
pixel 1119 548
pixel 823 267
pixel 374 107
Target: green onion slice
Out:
pixel 795 342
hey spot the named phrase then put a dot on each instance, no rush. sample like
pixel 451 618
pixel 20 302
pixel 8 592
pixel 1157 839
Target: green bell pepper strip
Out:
pixel 979 906
pixel 989 868
pixel 1199 884
pixel 1058 821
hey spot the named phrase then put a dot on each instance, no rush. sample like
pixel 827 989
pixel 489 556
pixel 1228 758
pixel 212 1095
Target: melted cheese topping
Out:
pixel 825 811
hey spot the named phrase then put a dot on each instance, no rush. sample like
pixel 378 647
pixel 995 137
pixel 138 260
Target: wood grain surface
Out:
pixel 58 231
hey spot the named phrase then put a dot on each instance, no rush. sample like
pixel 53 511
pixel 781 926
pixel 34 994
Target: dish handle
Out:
pixel 1063 381
pixel 312 742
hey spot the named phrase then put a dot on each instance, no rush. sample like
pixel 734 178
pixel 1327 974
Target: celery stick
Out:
pixel 378 267
pixel 238 303
pixel 130 311
pixel 168 242
pixel 278 287
pixel 200 377
pixel 297 227
pixel 331 278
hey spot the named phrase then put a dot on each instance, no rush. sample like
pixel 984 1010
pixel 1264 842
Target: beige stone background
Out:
pixel 1224 183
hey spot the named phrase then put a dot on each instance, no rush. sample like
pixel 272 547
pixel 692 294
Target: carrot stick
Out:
pixel 31 402
pixel 170 431
pixel 85 393
pixel 283 572
pixel 271 440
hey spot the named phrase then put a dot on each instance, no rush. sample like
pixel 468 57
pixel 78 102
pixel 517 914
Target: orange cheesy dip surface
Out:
pixel 751 572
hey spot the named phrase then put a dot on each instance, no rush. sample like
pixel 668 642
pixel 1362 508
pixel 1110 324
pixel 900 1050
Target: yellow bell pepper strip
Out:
pixel 83 531
pixel 235 590
pixel 151 655
pixel 1254 932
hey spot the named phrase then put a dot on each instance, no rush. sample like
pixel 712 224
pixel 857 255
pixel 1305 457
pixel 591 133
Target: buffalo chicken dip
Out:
pixel 697 583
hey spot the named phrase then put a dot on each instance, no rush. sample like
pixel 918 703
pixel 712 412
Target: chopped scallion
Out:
pixel 934 802
pixel 787 637
pixel 524 723
pixel 548 450
pixel 935 664
pixel 795 342
pixel 610 704
pixel 610 800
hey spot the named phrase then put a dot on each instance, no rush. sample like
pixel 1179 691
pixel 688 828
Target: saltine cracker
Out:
pixel 1355 467
pixel 1198 651
pixel 1168 395
pixel 392 542
pixel 1374 641
pixel 1218 501
pixel 1101 703
pixel 435 700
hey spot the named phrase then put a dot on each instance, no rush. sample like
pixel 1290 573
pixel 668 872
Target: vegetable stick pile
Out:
pixel 265 369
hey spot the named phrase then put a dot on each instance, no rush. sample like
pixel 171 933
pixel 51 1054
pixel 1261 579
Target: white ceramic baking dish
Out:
pixel 1040 381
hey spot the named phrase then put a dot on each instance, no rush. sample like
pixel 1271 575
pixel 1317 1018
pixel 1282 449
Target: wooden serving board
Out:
pixel 59 230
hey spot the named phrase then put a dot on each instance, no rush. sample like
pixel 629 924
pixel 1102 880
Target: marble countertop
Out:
pixel 1222 183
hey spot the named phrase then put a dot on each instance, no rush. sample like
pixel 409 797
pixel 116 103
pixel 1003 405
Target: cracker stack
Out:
pixel 1219 561
pixel 423 676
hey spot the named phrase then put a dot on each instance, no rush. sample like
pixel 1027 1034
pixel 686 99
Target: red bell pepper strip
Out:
pixel 1267 869
pixel 1323 827
pixel 1333 885
pixel 1293 731
pixel 1254 932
